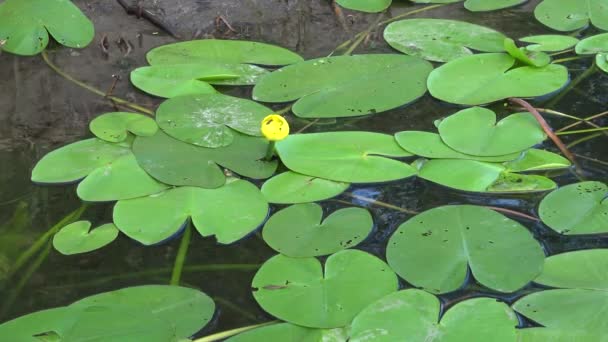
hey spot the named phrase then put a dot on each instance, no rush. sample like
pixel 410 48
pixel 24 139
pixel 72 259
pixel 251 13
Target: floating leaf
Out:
pixel 558 335
pixel 77 237
pixel 501 253
pixel 346 85
pixel 27 328
pixel 413 315
pixel 115 127
pixel 290 333
pixel 178 163
pixel 297 231
pixel 576 209
pixel 354 157
pixel 24 25
pixel 549 42
pixel 210 120
pixel 370 6
pixel 537 160
pixel 490 5
pixel 475 131
pixel 601 60
pixel 155 218
pixel 291 187
pixel 441 40
pixel 592 45
pixel 532 58
pixel 485 78
pixel 299 291
pixel 223 51
pixel 570 15
pixel 585 269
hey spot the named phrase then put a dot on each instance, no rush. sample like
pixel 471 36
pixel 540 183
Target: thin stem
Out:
pixel 556 113
pixel 228 333
pixel 94 90
pixel 407 14
pixel 269 151
pixel 592 159
pixel 583 139
pixel 308 125
pixel 228 304
pixel 180 259
pixel 590 130
pixel 380 203
pixel 567 59
pixel 515 213
pixel 590 71
pixel 592 117
pixel 561 52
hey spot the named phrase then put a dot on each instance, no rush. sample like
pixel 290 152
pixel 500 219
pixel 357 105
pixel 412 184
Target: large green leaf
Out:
pixel 178 163
pixel 570 15
pixel 297 231
pixel 475 131
pixel 592 45
pixel 585 269
pixel 27 328
pixel 549 42
pixel 24 25
pixel 370 6
pixel 354 157
pixel 485 78
pixel 558 335
pixel 286 332
pixel 77 237
pixel 413 315
pixel 575 209
pixel 441 40
pixel 210 120
pixel 299 291
pixel 153 219
pixel 501 253
pixel 346 85
pixel 291 187
pixel 115 127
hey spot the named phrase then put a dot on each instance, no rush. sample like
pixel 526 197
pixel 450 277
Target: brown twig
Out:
pixel 140 12
pixel 115 78
pixel 219 20
pixel 339 15
pixel 514 213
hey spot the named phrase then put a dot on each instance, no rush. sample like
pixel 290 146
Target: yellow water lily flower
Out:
pixel 275 127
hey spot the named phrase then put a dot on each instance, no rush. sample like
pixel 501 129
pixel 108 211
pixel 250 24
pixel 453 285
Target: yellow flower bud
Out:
pixel 275 127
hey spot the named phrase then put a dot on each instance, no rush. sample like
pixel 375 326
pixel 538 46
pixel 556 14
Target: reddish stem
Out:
pixel 514 213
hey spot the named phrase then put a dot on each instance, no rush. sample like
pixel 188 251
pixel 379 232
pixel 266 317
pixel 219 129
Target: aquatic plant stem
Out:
pixel 230 305
pixel 182 252
pixel 229 333
pixel 567 59
pixel 592 117
pixel 590 130
pixel 380 203
pixel 94 90
pixel 269 151
pixel 583 139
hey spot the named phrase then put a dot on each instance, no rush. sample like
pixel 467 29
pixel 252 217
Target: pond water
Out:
pixel 42 111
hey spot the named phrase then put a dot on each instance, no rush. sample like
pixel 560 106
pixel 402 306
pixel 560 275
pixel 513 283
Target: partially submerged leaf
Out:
pixel 536 160
pixel 549 42
pixel 570 15
pixel 78 238
pixel 115 127
pixel 291 187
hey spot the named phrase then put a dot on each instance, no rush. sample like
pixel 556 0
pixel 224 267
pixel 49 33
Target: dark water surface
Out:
pixel 41 111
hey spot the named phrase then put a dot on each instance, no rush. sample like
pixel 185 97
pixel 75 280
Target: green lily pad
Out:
pixel 299 291
pixel 525 56
pixel 485 78
pixel 475 131
pixel 210 120
pixel 77 237
pixel 27 328
pixel 501 253
pixel 222 51
pixel 476 176
pixel 584 269
pixel 570 15
pixel 291 187
pixel 298 232
pixel 413 315
pixel 592 45
pixel 178 163
pixel 549 42
pixel 441 40
pixel 355 157
pixel 537 160
pixel 346 86
pixel 25 25
pixel 286 332
pixel 601 60
pixel 576 209
pixel 115 127
pixel 477 5
pixel 370 6
pixel 430 145
pixel 155 218
pixel 558 335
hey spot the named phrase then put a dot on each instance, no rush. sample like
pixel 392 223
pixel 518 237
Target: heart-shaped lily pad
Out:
pixel 434 250
pixel 24 25
pixel 574 209
pixel 290 333
pixel 570 15
pixel 584 269
pixel 475 131
pixel 178 163
pixel 155 218
pixel 370 6
pixel 549 42
pixel 355 157
pixel 297 231
pixel 115 127
pixel 77 237
pixel 525 56
pixel 291 187
pixel 299 291
pixel 209 120
pixel 346 85
pixel 413 315
pixel 485 78
pixel 441 40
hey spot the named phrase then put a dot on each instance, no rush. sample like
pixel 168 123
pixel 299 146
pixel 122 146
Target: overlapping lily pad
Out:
pixel 580 208
pixel 77 237
pixel 537 160
pixel 592 45
pixel 434 250
pixel 297 231
pixel 413 315
pixel 525 56
pixel 549 42
pixel 299 291
pixel 290 333
pixel 601 60
pixel 116 126
pixel 155 218
pixel 441 40
pixel 570 15
pixel 291 187
pixel 25 25
pixel 346 86
pixel 485 78
pixel 370 6
pixel 210 120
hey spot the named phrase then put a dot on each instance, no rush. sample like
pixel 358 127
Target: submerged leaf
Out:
pixel 570 15
pixel 115 127
pixel 77 237
pixel 291 187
